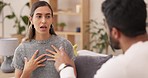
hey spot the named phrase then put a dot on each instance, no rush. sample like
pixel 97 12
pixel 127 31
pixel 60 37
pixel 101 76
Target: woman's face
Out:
pixel 42 19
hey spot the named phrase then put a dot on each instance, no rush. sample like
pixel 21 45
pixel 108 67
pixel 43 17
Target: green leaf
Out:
pixel 25 19
pixel 100 30
pixel 27 4
pixel 93 34
pixel 20 30
pixel 62 24
pixel 94 27
pixel 93 21
pixel 1 2
pixel 2 5
pixel 10 16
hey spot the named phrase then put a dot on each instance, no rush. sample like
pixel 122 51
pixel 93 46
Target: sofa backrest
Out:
pixel 87 66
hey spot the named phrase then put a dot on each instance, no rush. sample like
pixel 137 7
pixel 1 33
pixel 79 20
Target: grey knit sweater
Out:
pixel 27 49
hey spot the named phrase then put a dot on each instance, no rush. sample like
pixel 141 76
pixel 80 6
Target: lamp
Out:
pixel 7 48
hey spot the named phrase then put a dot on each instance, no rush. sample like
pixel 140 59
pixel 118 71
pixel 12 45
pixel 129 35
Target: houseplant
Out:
pixel 99 38
pixel 60 26
pixel 20 21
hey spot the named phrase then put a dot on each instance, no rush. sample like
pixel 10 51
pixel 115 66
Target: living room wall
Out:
pixel 95 13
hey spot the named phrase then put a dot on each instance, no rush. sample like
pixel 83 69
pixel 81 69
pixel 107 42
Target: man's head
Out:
pixel 125 16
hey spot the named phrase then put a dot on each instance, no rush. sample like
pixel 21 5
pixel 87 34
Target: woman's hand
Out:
pixel 59 57
pixel 34 63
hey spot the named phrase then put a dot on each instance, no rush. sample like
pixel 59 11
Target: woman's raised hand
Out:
pixel 34 63
pixel 59 56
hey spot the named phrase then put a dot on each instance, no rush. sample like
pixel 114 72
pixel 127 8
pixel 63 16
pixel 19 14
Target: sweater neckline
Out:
pixel 43 41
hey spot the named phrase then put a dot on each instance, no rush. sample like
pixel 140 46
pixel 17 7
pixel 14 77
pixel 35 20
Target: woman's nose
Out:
pixel 43 20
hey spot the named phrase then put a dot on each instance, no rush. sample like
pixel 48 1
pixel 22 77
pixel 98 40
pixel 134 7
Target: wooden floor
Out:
pixel 6 75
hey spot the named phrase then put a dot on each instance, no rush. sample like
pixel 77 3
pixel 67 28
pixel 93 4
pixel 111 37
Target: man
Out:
pixel 126 23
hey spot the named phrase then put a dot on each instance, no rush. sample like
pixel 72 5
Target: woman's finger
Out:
pixel 50 55
pixel 52 52
pixel 40 65
pixel 62 51
pixel 41 56
pixel 26 60
pixel 57 50
pixel 51 59
pixel 39 62
pixel 35 54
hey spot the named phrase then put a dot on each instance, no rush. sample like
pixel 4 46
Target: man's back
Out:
pixel 133 64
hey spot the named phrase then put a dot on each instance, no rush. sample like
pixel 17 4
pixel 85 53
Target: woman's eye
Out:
pixel 38 16
pixel 47 16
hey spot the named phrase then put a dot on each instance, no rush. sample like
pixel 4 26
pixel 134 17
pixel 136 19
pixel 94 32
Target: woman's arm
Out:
pixel 18 73
pixel 69 50
pixel 30 66
pixel 21 74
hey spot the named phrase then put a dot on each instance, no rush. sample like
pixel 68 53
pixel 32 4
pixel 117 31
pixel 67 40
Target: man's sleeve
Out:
pixel 67 72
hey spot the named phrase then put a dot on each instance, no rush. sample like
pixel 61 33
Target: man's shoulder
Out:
pixel 113 68
pixel 115 61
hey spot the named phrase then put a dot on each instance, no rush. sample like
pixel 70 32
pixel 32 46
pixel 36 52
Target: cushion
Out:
pixel 86 66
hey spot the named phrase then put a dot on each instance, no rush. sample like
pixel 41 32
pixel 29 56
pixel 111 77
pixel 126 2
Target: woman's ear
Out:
pixel 115 33
pixel 30 19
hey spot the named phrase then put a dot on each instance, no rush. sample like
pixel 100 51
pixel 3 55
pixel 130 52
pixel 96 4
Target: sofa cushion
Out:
pixel 87 66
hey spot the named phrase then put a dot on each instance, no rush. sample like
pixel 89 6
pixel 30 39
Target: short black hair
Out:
pixel 128 16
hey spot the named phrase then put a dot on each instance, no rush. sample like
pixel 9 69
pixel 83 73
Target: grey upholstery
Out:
pixel 87 66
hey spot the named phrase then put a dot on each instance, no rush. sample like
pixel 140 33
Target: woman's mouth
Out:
pixel 43 28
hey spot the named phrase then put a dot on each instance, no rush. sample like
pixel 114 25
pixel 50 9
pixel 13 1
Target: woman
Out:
pixel 30 60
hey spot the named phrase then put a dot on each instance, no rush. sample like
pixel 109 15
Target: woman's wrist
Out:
pixel 26 74
pixel 27 71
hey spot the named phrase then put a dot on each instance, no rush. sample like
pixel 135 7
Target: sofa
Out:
pixel 87 63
